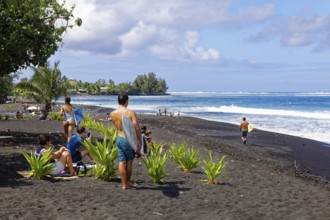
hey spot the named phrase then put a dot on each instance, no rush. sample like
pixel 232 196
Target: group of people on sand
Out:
pixel 74 151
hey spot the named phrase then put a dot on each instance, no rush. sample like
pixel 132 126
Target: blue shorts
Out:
pixel 125 152
pixel 244 133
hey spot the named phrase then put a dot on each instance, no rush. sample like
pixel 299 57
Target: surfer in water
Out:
pixel 125 153
pixel 244 129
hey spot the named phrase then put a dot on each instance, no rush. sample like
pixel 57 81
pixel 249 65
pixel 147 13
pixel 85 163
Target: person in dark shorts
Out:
pixel 244 129
pixel 77 151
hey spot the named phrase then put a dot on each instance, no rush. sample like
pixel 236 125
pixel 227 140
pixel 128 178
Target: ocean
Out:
pixel 300 114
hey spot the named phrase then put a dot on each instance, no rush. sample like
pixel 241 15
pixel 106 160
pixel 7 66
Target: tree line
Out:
pixel 145 84
pixel 47 84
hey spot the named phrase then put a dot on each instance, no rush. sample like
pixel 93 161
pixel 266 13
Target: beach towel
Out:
pixel 78 115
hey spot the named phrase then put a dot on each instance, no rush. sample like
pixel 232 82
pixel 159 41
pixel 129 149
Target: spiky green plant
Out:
pixel 212 170
pixel 156 163
pixel 189 159
pixel 40 166
pixel 177 151
pixel 55 116
pixel 91 124
pixel 105 153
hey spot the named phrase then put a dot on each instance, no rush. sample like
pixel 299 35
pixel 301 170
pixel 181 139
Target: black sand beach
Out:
pixel 275 177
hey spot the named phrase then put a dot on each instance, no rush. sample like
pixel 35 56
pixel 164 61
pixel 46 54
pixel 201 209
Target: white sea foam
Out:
pixel 261 111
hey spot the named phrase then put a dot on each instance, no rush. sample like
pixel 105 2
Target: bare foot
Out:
pixel 133 184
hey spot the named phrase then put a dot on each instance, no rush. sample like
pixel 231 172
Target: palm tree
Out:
pixel 46 85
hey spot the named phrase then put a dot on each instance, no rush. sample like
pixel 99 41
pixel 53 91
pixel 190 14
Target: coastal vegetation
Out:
pixel 46 85
pixel 40 166
pixel 187 158
pixel 105 154
pixel 212 169
pixel 30 32
pixel 145 84
pixel 156 163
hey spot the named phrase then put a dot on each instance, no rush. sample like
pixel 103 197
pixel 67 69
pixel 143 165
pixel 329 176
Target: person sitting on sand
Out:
pixel 62 156
pixel 77 151
pixel 244 128
pixel 68 123
pixel 125 152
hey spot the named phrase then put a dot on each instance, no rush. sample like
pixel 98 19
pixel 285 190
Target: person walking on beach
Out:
pixel 68 123
pixel 244 129
pixel 125 152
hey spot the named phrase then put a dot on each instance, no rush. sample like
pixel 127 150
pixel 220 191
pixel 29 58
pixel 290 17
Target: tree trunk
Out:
pixel 44 115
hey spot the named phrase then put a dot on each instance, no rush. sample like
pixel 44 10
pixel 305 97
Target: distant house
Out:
pixel 82 91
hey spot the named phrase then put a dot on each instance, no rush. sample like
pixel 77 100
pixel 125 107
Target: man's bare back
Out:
pixel 117 116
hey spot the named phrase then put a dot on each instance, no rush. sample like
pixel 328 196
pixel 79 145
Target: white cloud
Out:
pixel 188 51
pixel 122 27
pixel 299 30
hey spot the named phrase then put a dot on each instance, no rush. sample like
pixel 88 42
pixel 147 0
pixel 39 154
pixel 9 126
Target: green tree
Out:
pixel 149 84
pixel 6 83
pixel 45 86
pixel 125 87
pixel 31 31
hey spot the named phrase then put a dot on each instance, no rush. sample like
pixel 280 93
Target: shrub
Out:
pixel 91 124
pixel 177 151
pixel 55 116
pixel 156 163
pixel 40 166
pixel 212 170
pixel 105 153
pixel 189 159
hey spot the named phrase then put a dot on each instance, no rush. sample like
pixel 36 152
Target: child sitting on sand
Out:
pixel 62 156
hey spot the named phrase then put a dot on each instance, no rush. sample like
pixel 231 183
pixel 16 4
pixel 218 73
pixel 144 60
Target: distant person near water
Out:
pixel 69 121
pixel 244 128
pixel 125 152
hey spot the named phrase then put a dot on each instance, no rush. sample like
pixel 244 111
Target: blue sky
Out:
pixel 210 45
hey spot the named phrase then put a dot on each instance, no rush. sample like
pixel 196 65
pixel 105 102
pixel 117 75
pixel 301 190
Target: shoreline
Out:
pixel 260 181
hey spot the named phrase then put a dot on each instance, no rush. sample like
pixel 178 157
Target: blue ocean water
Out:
pixel 299 114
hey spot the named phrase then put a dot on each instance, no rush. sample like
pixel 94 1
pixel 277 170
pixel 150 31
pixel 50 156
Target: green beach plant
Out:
pixel 156 163
pixel 105 154
pixel 40 166
pixel 177 151
pixel 189 159
pixel 55 116
pixel 212 170
pixel 91 124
